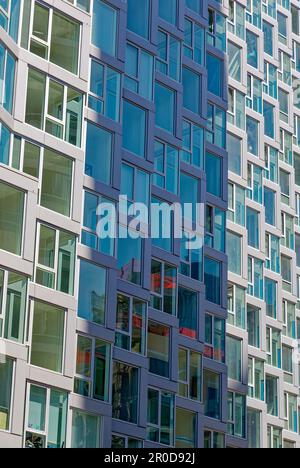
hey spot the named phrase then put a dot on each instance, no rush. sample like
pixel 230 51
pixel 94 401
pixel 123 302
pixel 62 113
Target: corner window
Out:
pixel 92 368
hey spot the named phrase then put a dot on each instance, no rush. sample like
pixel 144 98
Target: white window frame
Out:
pixel 286 418
pixel 55 269
pixel 269 344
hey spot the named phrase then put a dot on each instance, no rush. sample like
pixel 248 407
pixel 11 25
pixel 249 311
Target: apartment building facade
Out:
pixel 123 342
pixel 111 342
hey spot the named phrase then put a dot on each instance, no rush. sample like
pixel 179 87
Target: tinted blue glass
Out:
pixel 14 19
pixel 269 120
pixel 268 38
pixel 252 135
pixel 253 228
pixel 138 17
pixel 134 129
pixel 212 279
pixel 191 90
pixel 215 74
pixel 213 169
pixel 4 144
pixel 194 5
pixel 270 206
pixel 252 43
pixel 98 153
pixel 104 31
pixel 168 10
pixel 165 106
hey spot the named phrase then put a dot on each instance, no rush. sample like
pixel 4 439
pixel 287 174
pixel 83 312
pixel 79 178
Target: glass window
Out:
pixel 194 37
pixel 46 420
pixel 54 37
pixel 253 136
pixel 94 233
pixel 270 206
pixel 256 379
pixel 271 297
pixel 92 368
pixel 215 227
pixel 55 261
pixel 168 60
pixel 6 390
pixel 98 155
pixel 216 34
pixel 214 338
pixel 163 287
pixel 236 21
pixel 254 428
pixel 7 79
pixel 63 116
pixel 253 228
pixel 130 256
pixel 268 38
pixel 214 174
pixel 274 351
pixel 191 91
pixel 166 167
pixel 255 277
pixel 195 5
pixel 9 17
pixel 139 70
pixel 131 324
pixel 236 306
pixel 193 144
pixel 104 30
pixel 237 415
pixel 272 395
pixel 122 442
pixel 234 358
pixel 159 349
pixel 11 218
pixel 237 209
pixel 212 394
pixel 161 416
pixel 252 48
pixel 216 126
pixel 105 91
pixel 189 195
pixel 92 292
pixel 190 374
pixel 215 72
pixel 234 252
pixel 186 430
pixel 212 280
pixel 167 10
pixel 134 129
pixel 253 315
pixel 214 440
pixel 125 397
pixel 85 430
pixel 234 146
pixel 188 312
pixel 165 108
pixel 237 110
pixel 269 120
pixel 235 61
pixel 191 259
pixel 57 179
pixel 138 13
pixel 48 335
